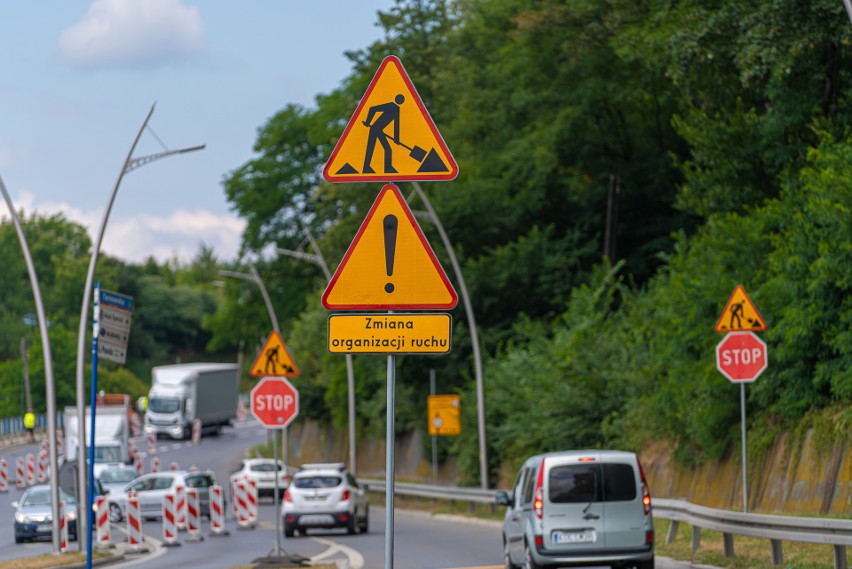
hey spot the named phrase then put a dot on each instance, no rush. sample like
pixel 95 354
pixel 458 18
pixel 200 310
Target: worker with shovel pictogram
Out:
pixel 387 113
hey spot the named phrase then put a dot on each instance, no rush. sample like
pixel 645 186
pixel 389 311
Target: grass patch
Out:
pixel 749 552
pixel 44 561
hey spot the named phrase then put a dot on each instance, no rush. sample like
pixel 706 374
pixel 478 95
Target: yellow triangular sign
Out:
pixel 389 265
pixel 740 314
pixel 274 360
pixel 391 136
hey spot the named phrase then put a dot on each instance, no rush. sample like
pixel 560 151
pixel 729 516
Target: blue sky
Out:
pixel 78 77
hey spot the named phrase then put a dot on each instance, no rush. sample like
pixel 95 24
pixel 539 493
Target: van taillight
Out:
pixel 646 495
pixel 345 495
pixel 287 497
pixel 538 499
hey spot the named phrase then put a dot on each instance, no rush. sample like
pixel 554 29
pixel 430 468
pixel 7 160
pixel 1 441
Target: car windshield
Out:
pixel 164 405
pixel 107 454
pixel 37 498
pixel 318 481
pixel 111 476
pixel 264 467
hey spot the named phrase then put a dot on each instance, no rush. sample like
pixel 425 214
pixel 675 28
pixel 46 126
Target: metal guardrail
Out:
pixel 834 532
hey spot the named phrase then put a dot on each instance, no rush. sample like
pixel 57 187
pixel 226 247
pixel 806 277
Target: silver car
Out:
pixel 262 471
pixel 587 507
pixel 150 488
pixel 115 478
pixel 34 515
pixel 325 496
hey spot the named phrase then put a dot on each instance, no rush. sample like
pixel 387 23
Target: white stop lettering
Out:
pixel 273 402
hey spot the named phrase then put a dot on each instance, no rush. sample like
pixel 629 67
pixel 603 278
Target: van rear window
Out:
pixel 583 483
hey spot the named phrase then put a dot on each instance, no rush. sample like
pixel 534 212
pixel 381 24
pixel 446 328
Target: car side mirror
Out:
pixel 502 498
pixel 365 487
pixel 14 504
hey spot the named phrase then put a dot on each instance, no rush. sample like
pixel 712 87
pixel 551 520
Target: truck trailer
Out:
pixel 112 433
pixel 181 393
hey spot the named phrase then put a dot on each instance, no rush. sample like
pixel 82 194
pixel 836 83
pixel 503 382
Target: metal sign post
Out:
pixel 389 461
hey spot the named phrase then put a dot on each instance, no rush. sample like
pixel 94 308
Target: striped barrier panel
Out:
pixel 180 507
pixel 41 473
pixel 169 521
pixel 20 473
pixel 155 465
pixel 241 502
pixel 139 463
pixel 4 475
pixel 217 512
pixel 134 524
pixel 174 466
pixel 31 469
pixel 152 444
pixel 196 431
pixel 193 516
pixel 251 499
pixel 102 522
pixel 63 528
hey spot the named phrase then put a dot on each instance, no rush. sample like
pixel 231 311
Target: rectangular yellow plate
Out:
pixel 397 333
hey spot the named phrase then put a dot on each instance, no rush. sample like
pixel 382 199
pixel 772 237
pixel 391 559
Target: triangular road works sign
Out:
pixel 389 265
pixel 740 314
pixel 274 360
pixel 391 136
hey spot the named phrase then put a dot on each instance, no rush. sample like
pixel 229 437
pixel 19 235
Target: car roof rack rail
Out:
pixel 339 466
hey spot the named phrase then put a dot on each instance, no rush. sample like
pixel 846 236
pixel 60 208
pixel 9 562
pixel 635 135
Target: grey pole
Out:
pixel 434 438
pixel 390 438
pixel 848 4
pixel 130 163
pixel 318 259
pixel 49 385
pixel 745 466
pixel 474 336
pixel 254 277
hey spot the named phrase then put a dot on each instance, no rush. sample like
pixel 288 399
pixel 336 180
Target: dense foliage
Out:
pixel 728 126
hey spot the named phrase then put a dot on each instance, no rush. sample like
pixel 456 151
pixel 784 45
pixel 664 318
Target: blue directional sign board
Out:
pixel 118 300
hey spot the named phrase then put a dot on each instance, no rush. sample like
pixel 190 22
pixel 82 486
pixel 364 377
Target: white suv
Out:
pixel 585 507
pixel 325 496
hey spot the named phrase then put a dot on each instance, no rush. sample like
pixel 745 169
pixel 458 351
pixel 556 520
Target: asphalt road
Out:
pixel 421 541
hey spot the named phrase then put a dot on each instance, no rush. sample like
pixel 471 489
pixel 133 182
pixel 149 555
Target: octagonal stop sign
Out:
pixel 741 356
pixel 275 402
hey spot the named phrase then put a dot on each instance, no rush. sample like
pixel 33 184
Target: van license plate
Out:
pixel 586 536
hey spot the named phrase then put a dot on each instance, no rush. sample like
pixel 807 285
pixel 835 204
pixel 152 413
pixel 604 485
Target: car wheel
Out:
pixel 352 526
pixel 19 539
pixel 365 525
pixel 529 562
pixel 288 531
pixel 507 559
pixel 649 564
pixel 114 513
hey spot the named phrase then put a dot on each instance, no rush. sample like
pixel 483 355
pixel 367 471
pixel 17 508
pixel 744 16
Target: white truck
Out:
pixel 181 393
pixel 112 432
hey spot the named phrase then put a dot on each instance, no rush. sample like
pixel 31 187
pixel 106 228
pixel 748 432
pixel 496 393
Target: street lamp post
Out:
pixel 317 258
pixel 129 164
pixel 49 385
pixel 474 335
pixel 254 277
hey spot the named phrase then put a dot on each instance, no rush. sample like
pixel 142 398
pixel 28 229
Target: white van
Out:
pixel 579 507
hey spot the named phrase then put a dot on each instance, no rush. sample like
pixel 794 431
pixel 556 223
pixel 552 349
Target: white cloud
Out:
pixel 132 33
pixel 136 238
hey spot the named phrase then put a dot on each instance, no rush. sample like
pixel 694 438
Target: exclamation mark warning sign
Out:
pixel 390 264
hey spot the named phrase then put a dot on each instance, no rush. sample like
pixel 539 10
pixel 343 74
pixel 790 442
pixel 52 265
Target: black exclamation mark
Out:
pixel 389 225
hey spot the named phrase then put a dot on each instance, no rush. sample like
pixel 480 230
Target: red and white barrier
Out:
pixel 241 412
pixel 135 425
pixel 155 465
pixel 241 504
pixel 102 522
pixel 41 473
pixel 134 524
pixel 196 431
pixel 251 499
pixel 217 512
pixel 4 475
pixel 131 447
pixel 31 469
pixel 169 521
pixel 20 473
pixel 152 444
pixel 139 463
pixel 63 528
pixel 174 466
pixel 180 507
pixel 193 515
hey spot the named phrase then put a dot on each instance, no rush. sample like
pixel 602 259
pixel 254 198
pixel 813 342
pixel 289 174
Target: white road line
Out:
pixel 354 559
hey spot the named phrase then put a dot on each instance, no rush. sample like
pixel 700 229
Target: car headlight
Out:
pixel 21 518
pixel 71 516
